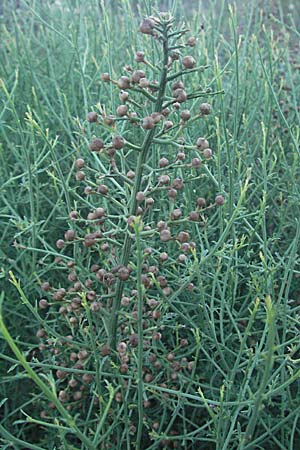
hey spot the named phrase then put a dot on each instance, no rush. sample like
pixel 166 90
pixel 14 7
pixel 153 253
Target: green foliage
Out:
pixel 227 364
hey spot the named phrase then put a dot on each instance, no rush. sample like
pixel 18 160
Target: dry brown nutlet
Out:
pixel 147 25
pixel 205 109
pixel 89 241
pixel 96 306
pixel 137 75
pixel 91 295
pixel 124 368
pixel 144 83
pixel 207 153
pixel 88 190
pixel 182 258
pixel 183 342
pixel 183 236
pixel 123 96
pixel 77 395
pixel 123 273
pixel 124 82
pixel 45 286
pixel 79 163
pixel 60 243
pixel 156 116
pixel 163 162
pixel 122 110
pixel 122 347
pixel 196 162
pixel 63 396
pixel 185 114
pixel 165 112
pixel 165 235
pixel 152 303
pixel 201 202
pixel 41 333
pixel 102 189
pixel 164 179
pixel 70 235
pixel 140 196
pixel 177 183
pixel 161 225
pixel 134 340
pixel 111 151
pixel 92 117
pixel 80 176
pixel 105 247
pixel 168 124
pixel 202 143
pixel 87 378
pixel 73 383
pixel 105 77
pixel 98 213
pixel 188 62
pixel 148 123
pixel 59 294
pixel 181 156
pixel 176 214
pixel 180 95
pixel 105 350
pixel 61 374
pixel 62 310
pixel 91 216
pixel 82 354
pixel 125 301
pixel 172 193
pixel 96 145
pixel 157 336
pixel 118 142
pixel 109 120
pixel 177 85
pixel 139 56
pixel 149 202
pixel 219 200
pixel 133 117
pixel 163 256
pixel 148 377
pixel 156 314
pixel 194 215
pixel 174 56
pixel 130 174
pixel 192 41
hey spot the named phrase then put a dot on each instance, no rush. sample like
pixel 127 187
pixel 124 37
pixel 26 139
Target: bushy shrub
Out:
pixel 150 337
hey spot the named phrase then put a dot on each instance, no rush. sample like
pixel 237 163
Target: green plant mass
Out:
pixel 150 225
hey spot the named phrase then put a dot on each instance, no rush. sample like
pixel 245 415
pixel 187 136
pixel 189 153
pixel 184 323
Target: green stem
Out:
pixel 93 344
pixel 43 387
pixel 139 171
pixel 138 228
pixel 13 440
pixel 271 321
pixel 111 391
pixel 186 72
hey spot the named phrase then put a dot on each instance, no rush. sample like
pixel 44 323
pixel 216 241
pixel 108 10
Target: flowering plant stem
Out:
pixel 138 228
pixel 139 171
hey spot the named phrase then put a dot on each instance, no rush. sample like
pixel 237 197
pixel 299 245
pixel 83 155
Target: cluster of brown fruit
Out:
pixel 141 176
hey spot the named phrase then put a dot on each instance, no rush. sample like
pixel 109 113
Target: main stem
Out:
pixel 138 179
pixel 140 337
